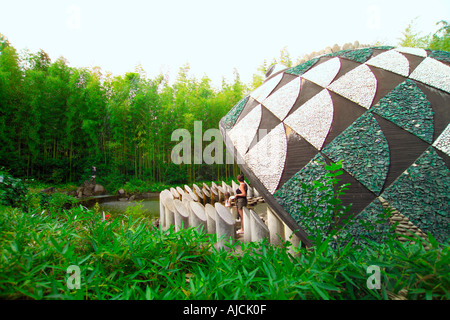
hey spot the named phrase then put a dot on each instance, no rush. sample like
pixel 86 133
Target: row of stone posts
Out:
pixel 203 208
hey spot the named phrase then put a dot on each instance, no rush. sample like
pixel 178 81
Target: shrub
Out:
pixel 13 191
pixel 129 259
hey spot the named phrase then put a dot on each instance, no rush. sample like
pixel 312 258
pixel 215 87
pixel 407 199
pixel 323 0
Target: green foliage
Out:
pixel 54 203
pixel 13 191
pixel 440 40
pixel 58 121
pixel 126 258
pixel 323 209
pixel 413 39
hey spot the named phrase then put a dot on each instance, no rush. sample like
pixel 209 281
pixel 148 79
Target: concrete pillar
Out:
pixel 187 199
pixel 175 193
pixel 221 194
pixel 234 212
pixel 194 196
pixel 230 190
pixel 224 186
pixel 198 192
pixel 225 227
pixel 206 196
pixel 198 216
pixel 214 186
pixel 162 209
pixel 258 227
pixel 210 218
pixel 170 212
pixel 276 227
pixel 181 215
pixel 187 188
pixel 214 196
pixel 292 238
pixel 205 186
pixel 180 192
pixel 250 192
pixel 247 225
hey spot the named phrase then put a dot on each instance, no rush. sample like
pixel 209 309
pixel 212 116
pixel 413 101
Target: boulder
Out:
pixel 48 190
pixel 89 188
pixel 99 190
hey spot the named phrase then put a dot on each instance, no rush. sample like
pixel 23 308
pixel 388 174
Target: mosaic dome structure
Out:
pixel 383 111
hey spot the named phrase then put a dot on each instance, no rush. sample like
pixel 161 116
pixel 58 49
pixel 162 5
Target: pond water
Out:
pixel 147 207
pixel 150 208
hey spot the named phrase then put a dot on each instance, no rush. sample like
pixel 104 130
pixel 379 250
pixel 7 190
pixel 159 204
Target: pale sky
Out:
pixel 214 37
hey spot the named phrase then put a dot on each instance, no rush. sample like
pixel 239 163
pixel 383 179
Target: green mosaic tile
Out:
pixel 407 106
pixel 440 55
pixel 337 53
pixel 302 68
pixel 364 152
pixel 369 225
pixel 383 47
pixel 292 193
pixel 422 194
pixel 358 55
pixel 230 118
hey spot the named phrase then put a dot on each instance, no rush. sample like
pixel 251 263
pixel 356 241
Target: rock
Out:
pixel 88 192
pixel 89 188
pixel 336 48
pixel 121 191
pixel 48 190
pixel 132 198
pixel 99 190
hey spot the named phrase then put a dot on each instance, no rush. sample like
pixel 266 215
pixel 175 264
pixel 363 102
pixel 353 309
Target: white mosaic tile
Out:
pixel 260 93
pixel 415 51
pixel 358 85
pixel 392 61
pixel 241 135
pixel 267 158
pixel 324 73
pixel 443 141
pixel 313 120
pixel 434 73
pixel 281 101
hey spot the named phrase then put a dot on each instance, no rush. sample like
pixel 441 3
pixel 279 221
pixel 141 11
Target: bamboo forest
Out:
pixel 57 121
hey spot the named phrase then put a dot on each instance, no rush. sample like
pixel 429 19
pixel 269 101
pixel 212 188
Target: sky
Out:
pixel 214 37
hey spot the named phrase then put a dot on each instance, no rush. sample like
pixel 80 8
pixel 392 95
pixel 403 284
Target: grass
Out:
pixel 127 258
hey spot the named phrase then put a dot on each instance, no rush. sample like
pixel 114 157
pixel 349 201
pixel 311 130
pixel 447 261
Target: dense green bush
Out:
pixel 55 202
pixel 13 191
pixel 128 258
